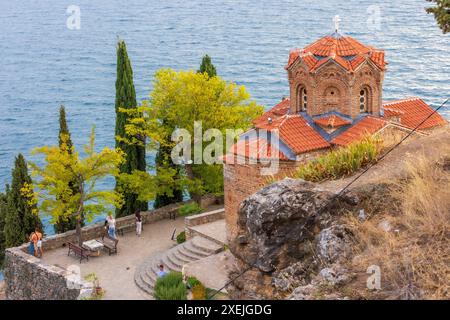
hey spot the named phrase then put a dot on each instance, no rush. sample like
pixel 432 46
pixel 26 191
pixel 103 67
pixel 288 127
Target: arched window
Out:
pixel 364 100
pixel 302 99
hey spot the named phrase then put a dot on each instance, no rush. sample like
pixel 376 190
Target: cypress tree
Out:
pixel 135 154
pixel 3 210
pixel 208 67
pixel 70 224
pixel 21 218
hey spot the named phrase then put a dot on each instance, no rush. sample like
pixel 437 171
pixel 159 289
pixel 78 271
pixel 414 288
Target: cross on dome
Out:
pixel 336 21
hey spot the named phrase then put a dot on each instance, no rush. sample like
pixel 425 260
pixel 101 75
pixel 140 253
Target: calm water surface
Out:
pixel 44 64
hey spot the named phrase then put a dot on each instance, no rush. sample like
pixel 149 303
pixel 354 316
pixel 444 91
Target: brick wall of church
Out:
pixel 331 88
pixel 242 180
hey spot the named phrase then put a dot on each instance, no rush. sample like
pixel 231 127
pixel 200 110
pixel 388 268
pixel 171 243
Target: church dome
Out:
pixel 344 50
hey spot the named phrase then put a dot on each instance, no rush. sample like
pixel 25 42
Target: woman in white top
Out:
pixel 111 226
pixel 138 222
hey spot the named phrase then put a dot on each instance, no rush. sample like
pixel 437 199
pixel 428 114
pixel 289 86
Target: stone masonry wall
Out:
pixel 27 278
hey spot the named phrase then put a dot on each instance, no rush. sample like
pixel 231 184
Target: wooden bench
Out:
pixel 126 228
pixel 109 243
pixel 78 251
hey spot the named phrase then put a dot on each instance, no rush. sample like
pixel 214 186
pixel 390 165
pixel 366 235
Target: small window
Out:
pixel 302 101
pixel 363 103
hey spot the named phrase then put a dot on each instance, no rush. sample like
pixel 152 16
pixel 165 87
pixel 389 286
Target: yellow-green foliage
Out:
pixel 199 292
pixel 177 100
pixel 342 161
pixel 62 166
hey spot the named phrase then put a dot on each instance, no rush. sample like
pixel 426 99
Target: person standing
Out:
pixel 36 239
pixel 138 222
pixel 111 226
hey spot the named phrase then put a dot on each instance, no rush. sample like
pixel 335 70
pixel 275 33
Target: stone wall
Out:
pixel 26 278
pixel 201 218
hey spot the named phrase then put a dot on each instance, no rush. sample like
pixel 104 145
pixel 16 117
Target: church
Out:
pixel 336 98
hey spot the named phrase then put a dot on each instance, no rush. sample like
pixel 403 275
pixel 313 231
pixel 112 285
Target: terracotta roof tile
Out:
pixel 412 112
pixel 332 121
pixel 300 136
pixel 368 125
pixel 276 112
pixel 255 149
pixel 344 50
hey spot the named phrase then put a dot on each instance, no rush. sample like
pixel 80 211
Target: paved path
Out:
pixel 116 272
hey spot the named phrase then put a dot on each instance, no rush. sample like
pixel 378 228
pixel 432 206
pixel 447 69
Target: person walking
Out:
pixel 138 222
pixel 111 226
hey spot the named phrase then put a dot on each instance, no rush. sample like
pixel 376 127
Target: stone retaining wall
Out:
pixel 27 278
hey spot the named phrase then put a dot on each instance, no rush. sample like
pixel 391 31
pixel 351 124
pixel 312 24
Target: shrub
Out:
pixel 340 162
pixel 170 287
pixel 199 292
pixel 181 237
pixel 192 282
pixel 189 209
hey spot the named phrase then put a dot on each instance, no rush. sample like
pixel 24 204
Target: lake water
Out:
pixel 45 64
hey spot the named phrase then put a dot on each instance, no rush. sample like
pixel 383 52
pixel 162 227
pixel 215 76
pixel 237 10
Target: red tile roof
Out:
pixel 257 148
pixel 367 126
pixel 296 133
pixel 276 112
pixel 344 50
pixel 300 136
pixel 332 121
pixel 412 112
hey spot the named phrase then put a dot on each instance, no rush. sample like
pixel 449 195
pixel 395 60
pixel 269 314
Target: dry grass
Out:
pixel 415 255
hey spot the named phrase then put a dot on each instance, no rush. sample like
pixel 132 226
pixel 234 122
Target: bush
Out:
pixel 199 292
pixel 343 161
pixel 192 282
pixel 170 287
pixel 181 237
pixel 189 209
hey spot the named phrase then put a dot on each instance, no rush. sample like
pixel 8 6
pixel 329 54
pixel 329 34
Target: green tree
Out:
pixel 163 161
pixel 208 67
pixel 3 211
pixel 62 167
pixel 441 12
pixel 177 100
pixel 22 215
pixel 135 153
pixel 63 225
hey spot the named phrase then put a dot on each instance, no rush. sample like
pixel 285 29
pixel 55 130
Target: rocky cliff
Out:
pixel 298 240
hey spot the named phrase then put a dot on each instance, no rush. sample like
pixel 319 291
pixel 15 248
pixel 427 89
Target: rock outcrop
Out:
pixel 288 232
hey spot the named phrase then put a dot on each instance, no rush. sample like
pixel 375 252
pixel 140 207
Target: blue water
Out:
pixel 44 64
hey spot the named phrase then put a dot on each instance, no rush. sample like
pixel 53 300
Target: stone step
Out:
pixel 189 248
pixel 180 257
pixel 189 255
pixel 206 245
pixel 141 283
pixel 173 260
pixel 168 265
pixel 170 258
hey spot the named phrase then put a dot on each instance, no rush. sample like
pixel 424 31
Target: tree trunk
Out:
pixel 195 196
pixel 80 240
